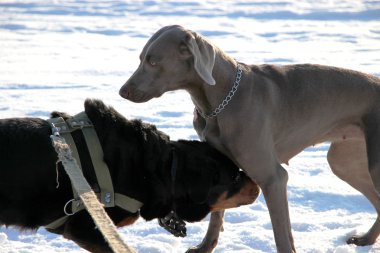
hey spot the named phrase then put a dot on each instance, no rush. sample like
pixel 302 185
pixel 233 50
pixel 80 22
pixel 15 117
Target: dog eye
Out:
pixel 152 63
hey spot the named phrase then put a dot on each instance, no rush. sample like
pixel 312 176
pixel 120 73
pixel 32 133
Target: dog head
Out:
pixel 209 181
pixel 172 59
pixel 205 181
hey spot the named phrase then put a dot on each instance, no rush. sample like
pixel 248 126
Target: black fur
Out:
pixel 139 159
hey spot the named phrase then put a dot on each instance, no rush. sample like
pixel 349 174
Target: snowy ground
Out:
pixel 54 54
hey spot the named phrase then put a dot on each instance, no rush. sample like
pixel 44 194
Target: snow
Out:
pixel 55 53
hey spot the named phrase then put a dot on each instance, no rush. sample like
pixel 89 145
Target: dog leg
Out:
pixel 272 179
pixel 372 134
pixel 275 194
pixel 211 239
pixel 348 161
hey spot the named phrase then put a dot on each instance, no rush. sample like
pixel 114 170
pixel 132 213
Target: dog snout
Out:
pixel 131 91
pixel 247 195
pixel 252 192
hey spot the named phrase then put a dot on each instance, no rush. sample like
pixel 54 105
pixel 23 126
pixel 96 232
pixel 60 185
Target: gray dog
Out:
pixel 261 116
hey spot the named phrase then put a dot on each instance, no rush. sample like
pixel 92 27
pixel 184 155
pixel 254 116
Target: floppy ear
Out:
pixel 204 56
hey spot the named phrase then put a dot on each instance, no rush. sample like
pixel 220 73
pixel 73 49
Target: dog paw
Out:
pixel 193 250
pixel 359 240
pixel 203 247
pixel 198 250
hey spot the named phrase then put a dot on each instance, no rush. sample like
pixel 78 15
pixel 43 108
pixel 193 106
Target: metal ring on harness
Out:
pixel 64 208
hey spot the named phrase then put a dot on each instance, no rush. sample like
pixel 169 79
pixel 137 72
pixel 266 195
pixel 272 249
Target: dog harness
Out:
pixel 107 196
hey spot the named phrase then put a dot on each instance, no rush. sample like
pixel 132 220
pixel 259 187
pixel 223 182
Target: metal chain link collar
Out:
pixel 227 99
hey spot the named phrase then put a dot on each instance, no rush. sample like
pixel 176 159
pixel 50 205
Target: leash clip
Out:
pixel 65 207
pixel 76 206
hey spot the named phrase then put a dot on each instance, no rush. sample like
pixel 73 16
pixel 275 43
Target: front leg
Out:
pixel 275 195
pixel 81 229
pixel 211 239
pixel 274 188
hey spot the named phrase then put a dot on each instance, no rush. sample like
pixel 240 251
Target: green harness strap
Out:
pixel 96 153
pixel 65 131
pixel 107 195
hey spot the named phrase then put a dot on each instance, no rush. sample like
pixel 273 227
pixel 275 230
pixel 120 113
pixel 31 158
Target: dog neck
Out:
pixel 206 97
pixel 210 100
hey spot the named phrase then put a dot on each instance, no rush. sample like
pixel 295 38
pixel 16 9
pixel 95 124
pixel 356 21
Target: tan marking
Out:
pixel 127 221
pixel 247 195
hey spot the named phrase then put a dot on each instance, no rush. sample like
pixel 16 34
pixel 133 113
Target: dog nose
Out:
pixel 123 92
pixel 254 191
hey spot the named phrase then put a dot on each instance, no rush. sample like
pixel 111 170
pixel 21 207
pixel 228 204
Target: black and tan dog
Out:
pixel 139 159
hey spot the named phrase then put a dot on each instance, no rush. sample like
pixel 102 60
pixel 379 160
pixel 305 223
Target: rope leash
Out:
pixel 88 197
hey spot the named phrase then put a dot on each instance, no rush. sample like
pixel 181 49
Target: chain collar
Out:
pixel 227 99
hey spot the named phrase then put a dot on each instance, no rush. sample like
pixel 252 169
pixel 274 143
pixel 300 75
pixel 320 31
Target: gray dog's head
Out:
pixel 172 59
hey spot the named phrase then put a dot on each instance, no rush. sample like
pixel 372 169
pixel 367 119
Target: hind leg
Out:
pixel 372 135
pixel 348 160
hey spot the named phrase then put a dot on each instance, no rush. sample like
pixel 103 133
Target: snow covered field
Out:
pixel 56 53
